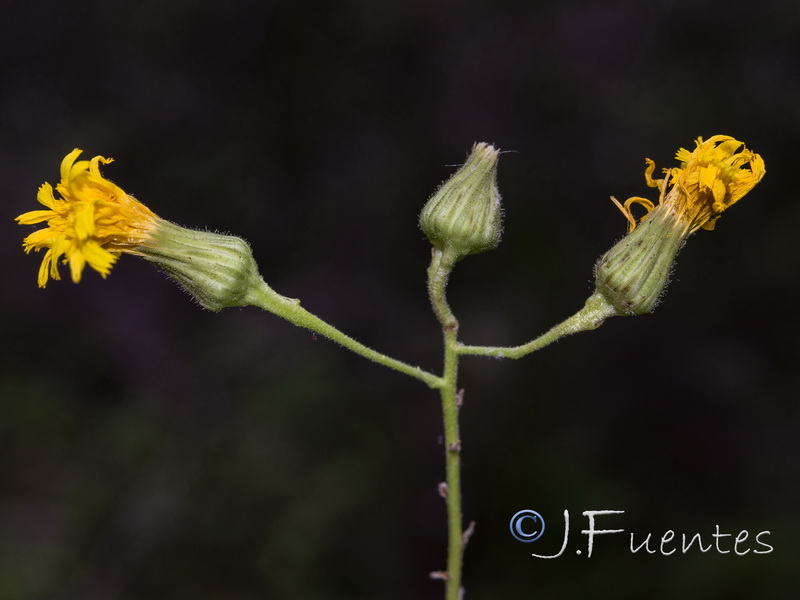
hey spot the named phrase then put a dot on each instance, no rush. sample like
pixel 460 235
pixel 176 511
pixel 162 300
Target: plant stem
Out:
pixel 591 316
pixel 262 296
pixel 596 310
pixel 452 442
pixel 438 274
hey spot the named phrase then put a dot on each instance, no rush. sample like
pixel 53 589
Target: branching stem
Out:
pixel 591 316
pixel 596 310
pixel 263 296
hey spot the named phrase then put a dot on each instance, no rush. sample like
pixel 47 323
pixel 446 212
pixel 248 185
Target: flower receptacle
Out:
pixel 632 275
pixel 217 270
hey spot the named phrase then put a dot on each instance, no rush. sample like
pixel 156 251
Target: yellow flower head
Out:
pixel 710 179
pixel 632 275
pixel 92 222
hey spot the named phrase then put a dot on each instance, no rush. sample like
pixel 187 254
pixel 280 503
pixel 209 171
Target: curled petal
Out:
pixel 710 179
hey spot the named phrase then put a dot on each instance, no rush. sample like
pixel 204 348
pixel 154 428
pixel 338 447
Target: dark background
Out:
pixel 150 449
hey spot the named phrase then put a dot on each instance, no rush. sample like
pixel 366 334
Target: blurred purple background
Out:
pixel 150 449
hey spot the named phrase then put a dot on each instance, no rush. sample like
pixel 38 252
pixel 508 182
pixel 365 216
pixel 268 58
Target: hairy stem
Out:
pixel 596 310
pixel 262 296
pixel 438 274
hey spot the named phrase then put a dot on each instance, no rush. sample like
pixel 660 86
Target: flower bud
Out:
pixel 217 270
pixel 464 215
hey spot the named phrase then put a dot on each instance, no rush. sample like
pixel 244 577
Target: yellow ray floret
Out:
pixel 92 221
pixel 709 180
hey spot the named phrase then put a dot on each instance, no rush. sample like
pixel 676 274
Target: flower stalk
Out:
pixel 264 297
pixel 438 276
pixel 596 310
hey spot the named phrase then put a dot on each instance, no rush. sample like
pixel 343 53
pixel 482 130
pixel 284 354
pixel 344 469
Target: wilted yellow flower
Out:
pixel 91 223
pixel 710 179
pixel 632 275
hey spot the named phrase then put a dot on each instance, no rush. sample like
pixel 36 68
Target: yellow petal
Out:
pixel 45 196
pixel 66 164
pixel 100 259
pixel 683 155
pixel 648 174
pixel 34 216
pixel 76 264
pixel 94 168
pixel 84 220
pixel 40 239
pixel 44 269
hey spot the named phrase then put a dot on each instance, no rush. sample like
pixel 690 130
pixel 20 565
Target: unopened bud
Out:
pixel 464 215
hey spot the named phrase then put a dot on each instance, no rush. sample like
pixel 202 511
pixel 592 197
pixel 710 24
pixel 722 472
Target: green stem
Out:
pixel 262 296
pixel 438 274
pixel 591 316
pixel 452 442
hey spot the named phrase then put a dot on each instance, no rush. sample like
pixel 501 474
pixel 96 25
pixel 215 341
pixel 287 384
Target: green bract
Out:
pixel 217 270
pixel 464 215
pixel 634 272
